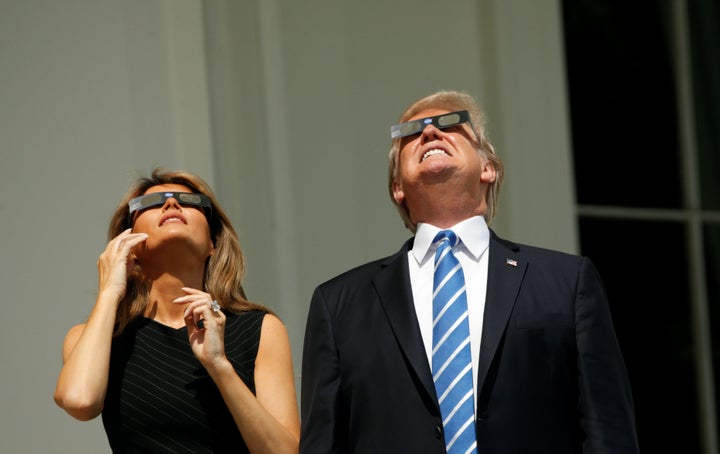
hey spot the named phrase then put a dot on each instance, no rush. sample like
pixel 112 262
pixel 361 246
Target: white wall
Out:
pixel 93 94
pixel 283 106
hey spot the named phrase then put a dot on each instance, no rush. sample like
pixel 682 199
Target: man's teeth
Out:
pixel 432 152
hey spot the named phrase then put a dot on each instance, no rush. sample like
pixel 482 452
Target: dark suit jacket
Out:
pixel 551 378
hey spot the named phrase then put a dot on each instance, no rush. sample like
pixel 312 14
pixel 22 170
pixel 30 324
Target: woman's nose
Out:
pixel 171 203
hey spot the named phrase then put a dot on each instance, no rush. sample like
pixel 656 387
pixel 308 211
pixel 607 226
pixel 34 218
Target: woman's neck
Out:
pixel 165 287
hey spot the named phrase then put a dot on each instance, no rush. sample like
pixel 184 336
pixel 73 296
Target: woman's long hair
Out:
pixel 224 270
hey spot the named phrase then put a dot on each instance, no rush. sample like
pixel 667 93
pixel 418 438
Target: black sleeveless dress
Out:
pixel 161 400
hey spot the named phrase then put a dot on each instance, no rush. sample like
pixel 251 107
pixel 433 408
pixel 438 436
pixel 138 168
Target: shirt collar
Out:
pixel 473 233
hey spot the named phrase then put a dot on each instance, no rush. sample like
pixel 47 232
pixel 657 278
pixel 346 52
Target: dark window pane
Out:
pixel 705 39
pixel 644 267
pixel 622 103
pixel 712 277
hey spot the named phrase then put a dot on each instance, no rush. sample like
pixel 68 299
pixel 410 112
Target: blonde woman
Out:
pixel 173 355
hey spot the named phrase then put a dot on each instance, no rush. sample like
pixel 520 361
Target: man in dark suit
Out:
pixel 533 365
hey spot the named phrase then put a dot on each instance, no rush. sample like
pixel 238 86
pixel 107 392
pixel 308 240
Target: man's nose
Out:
pixel 430 132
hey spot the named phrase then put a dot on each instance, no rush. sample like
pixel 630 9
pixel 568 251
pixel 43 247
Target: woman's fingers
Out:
pixel 118 249
pixel 194 318
pixel 199 307
pixel 130 241
pixel 206 327
pixel 114 261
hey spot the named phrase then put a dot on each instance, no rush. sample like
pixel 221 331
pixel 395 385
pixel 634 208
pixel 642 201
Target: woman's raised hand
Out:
pixel 116 263
pixel 206 326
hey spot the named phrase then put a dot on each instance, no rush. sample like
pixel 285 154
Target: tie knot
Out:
pixel 446 235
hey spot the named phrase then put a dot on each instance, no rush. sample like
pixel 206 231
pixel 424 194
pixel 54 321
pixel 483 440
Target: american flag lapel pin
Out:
pixel 511 262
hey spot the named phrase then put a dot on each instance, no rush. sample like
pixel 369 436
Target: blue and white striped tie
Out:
pixel 451 357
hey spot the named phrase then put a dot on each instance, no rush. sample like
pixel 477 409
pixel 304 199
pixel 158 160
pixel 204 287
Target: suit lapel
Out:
pixel 392 284
pixel 505 274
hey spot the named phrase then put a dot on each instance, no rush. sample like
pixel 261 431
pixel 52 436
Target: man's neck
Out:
pixel 446 211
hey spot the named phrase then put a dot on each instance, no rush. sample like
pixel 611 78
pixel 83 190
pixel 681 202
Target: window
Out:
pixel 644 92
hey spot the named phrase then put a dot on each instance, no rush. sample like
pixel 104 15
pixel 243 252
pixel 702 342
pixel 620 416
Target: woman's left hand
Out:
pixel 206 327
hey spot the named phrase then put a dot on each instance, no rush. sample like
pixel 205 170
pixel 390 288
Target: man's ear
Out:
pixel 398 193
pixel 488 174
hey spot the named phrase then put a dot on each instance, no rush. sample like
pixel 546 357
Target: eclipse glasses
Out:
pixel 439 121
pixel 159 198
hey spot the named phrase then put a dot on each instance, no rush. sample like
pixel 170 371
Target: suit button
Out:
pixel 438 432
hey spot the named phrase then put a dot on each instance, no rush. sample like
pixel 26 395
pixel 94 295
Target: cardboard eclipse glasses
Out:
pixel 439 121
pixel 159 198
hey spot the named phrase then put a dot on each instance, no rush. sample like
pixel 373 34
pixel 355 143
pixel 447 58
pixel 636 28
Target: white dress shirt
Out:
pixel 472 254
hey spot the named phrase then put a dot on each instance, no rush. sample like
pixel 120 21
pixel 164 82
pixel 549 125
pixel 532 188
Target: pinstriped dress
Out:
pixel 161 400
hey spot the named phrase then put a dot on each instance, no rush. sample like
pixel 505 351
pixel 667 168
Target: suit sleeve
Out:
pixel 605 401
pixel 320 382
